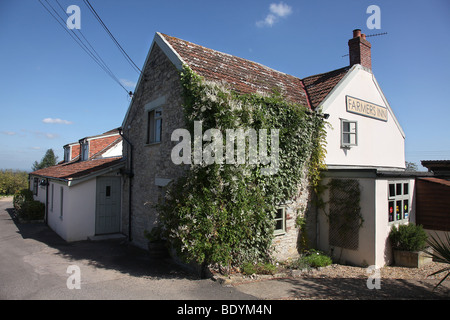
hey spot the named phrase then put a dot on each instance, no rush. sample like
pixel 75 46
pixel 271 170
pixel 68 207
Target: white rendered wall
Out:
pixel 380 143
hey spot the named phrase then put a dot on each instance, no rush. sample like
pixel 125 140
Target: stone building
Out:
pixel 365 141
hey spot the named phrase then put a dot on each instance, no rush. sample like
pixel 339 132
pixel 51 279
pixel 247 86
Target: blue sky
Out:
pixel 52 93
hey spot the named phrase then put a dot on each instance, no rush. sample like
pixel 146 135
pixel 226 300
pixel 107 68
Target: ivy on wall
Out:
pixel 223 213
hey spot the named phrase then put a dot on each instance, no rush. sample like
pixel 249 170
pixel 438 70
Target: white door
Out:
pixel 107 215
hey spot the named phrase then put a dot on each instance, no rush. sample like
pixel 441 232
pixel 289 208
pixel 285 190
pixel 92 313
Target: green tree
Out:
pixel 12 181
pixel 411 166
pixel 48 160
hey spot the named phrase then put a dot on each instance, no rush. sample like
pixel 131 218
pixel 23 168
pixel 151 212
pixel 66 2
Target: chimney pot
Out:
pixel 359 50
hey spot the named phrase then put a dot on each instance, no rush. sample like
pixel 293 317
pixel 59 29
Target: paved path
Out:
pixel 34 262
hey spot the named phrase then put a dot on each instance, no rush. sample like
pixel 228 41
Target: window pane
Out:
pixel 405 188
pixel 399 189
pixel 279 225
pixel 391 211
pixel 346 138
pixel 352 126
pixel 352 138
pixel 279 214
pixel 158 128
pixel 398 210
pixel 346 126
pixel 279 219
pixel 405 208
pixel 150 133
pixel 108 191
pixel 391 190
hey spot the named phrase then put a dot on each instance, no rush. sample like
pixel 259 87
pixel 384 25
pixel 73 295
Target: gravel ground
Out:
pixel 388 272
pixel 337 271
pixel 340 282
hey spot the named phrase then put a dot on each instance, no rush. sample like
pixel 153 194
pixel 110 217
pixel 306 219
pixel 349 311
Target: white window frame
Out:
pixel 67 154
pixel 350 132
pixel 154 117
pixel 154 125
pixel 84 150
pixel 399 197
pixel 282 230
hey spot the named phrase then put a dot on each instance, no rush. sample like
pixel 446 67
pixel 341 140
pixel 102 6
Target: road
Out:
pixel 35 264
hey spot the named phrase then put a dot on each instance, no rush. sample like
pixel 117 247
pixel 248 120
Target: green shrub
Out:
pixel 410 237
pixel 311 259
pixel 316 259
pixel 258 268
pixel 20 197
pixel 27 208
pixel 32 210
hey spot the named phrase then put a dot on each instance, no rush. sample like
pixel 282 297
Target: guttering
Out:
pixel 130 176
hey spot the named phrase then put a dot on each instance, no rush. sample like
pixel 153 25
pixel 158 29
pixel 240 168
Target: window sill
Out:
pixel 398 222
pixel 151 144
pixel 279 233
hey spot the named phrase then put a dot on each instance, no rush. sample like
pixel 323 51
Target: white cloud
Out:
pixel 277 10
pixel 47 135
pixel 128 83
pixel 8 133
pixel 56 120
pixel 281 9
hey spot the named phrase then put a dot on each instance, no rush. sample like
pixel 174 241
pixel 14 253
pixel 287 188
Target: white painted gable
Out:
pixel 380 143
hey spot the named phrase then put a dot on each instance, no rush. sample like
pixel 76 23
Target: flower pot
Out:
pixel 158 250
pixel 411 259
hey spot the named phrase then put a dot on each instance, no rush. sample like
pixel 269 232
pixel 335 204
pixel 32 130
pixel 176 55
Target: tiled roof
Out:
pixel 242 75
pixel 245 76
pixel 106 148
pixel 320 85
pixel 77 169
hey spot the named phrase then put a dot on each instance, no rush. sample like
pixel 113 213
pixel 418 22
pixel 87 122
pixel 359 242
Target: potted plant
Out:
pixel 409 244
pixel 157 246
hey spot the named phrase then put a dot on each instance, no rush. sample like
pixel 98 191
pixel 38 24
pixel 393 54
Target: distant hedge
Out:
pixel 26 208
pixel 12 181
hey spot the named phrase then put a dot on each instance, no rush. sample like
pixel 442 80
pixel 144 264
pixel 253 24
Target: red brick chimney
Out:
pixel 359 49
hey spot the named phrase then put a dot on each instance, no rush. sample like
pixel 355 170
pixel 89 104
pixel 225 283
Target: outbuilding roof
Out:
pixel 77 169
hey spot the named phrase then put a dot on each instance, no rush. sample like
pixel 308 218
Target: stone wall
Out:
pixel 151 162
pixel 286 245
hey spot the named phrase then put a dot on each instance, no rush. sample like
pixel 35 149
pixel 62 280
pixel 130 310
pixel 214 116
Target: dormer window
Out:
pixel 67 154
pixel 84 150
